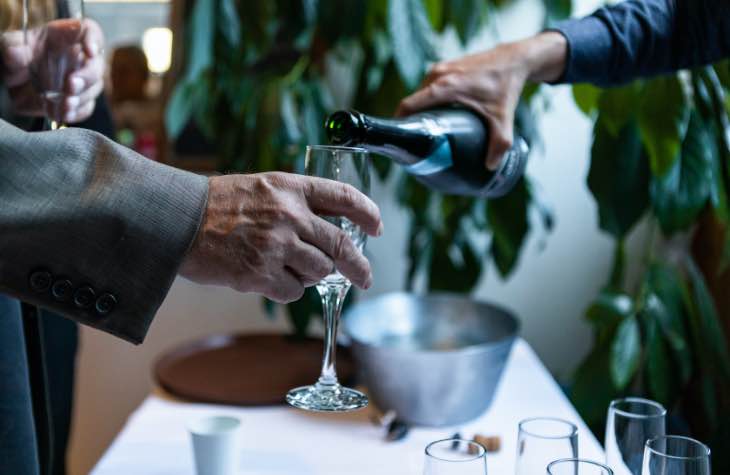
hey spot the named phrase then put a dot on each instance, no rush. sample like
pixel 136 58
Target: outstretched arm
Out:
pixel 641 38
pixel 635 38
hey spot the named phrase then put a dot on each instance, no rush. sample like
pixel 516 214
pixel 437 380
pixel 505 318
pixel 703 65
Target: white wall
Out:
pixel 549 290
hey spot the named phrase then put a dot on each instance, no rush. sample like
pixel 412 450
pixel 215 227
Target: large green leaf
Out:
pixel 625 352
pixel 412 37
pixel 508 219
pixel 230 24
pixel 592 389
pixel 467 17
pixel 586 97
pixel 670 335
pixel 710 334
pixel 618 178
pixel 663 120
pixel 660 374
pixel 201 38
pixel 618 105
pixel 680 195
pixel 723 73
pixel 610 309
pixel 455 267
pixel 180 108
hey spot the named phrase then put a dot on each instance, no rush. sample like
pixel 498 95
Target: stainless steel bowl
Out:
pixel 436 360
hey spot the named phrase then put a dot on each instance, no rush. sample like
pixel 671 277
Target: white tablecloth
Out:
pixel 286 441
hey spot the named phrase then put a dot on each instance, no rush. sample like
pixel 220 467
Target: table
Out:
pixel 286 441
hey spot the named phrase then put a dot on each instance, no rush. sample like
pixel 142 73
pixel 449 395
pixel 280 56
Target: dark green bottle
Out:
pixel 443 148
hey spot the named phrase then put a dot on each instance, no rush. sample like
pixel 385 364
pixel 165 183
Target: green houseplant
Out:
pixel 259 85
pixel 661 153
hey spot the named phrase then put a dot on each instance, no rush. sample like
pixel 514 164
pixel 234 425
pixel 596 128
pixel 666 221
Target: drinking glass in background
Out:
pixel 541 440
pixel 676 455
pixel 455 457
pixel 55 30
pixel 631 422
pixel 576 466
pixel 352 166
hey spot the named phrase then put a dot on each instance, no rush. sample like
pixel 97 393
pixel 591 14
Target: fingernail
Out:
pixel 77 84
pixel 381 229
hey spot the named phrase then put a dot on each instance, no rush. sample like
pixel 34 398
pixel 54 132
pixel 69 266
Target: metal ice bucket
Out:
pixel 436 360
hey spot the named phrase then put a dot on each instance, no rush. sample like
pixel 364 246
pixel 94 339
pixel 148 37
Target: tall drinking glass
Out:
pixel 577 467
pixel 675 455
pixel 352 166
pixel 544 439
pixel 455 457
pixel 631 422
pixel 55 31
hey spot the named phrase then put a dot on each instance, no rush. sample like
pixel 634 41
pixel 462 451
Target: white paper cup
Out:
pixel 215 445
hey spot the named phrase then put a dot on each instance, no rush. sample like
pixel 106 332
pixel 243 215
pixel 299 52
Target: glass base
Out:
pixel 323 398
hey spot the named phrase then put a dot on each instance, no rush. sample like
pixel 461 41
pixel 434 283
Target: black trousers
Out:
pixel 37 360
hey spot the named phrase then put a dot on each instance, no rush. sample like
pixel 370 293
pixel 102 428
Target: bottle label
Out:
pixel 438 161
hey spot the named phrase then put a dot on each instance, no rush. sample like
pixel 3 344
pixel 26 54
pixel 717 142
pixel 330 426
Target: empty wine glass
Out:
pixel 541 440
pixel 576 466
pixel 352 166
pixel 676 455
pixel 631 422
pixel 54 29
pixel 455 457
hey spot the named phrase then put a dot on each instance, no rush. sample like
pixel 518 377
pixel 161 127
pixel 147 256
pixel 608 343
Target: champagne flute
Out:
pixel 676 455
pixel 577 467
pixel 54 29
pixel 455 457
pixel 352 166
pixel 542 440
pixel 631 422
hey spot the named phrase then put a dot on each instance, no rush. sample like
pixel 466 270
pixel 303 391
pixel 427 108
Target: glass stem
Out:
pixel 333 296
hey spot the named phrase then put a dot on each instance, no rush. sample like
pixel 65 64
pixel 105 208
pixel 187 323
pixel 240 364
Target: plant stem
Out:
pixel 333 296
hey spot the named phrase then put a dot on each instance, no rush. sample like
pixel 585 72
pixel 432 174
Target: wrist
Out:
pixel 545 56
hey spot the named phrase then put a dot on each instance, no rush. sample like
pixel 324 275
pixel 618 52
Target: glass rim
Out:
pixel 481 454
pixel 337 148
pixel 705 448
pixel 573 427
pixel 580 461
pixel 648 402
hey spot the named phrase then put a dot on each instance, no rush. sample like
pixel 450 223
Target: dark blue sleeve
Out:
pixel 640 38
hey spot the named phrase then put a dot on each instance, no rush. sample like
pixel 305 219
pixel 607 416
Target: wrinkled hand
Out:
pixel 262 233
pixel 31 69
pixel 491 83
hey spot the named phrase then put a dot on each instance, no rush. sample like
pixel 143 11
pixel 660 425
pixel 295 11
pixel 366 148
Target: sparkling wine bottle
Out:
pixel 443 148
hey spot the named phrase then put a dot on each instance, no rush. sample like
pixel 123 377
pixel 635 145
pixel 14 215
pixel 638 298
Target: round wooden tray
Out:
pixel 245 370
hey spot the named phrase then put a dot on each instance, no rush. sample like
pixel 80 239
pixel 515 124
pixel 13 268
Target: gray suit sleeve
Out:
pixel 90 229
pixel 640 38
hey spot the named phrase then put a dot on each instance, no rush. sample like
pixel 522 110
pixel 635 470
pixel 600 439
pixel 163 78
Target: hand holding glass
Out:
pixel 352 166
pixel 54 30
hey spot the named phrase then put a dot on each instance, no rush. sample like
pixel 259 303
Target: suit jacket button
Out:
pixel 40 281
pixel 105 304
pixel 84 297
pixel 62 289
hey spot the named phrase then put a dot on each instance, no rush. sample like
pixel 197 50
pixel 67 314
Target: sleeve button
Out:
pixel 84 297
pixel 40 281
pixel 62 289
pixel 105 304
